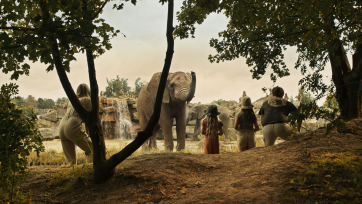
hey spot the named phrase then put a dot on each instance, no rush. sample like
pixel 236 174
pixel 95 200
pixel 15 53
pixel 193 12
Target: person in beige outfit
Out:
pixel 274 113
pixel 244 123
pixel 70 126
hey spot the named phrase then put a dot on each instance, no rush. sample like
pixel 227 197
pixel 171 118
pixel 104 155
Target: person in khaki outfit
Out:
pixel 274 114
pixel 244 125
pixel 71 125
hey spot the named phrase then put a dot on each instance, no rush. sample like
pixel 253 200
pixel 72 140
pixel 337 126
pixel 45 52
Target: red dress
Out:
pixel 211 145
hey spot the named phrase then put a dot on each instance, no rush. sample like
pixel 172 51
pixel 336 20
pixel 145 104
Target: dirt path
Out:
pixel 260 175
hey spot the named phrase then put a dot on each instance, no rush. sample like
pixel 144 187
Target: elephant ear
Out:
pixel 152 87
pixel 189 76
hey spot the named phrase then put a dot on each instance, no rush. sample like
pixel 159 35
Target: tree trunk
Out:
pixel 103 169
pixel 347 81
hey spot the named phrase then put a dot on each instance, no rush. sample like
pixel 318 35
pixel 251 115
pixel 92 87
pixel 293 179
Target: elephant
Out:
pixel 180 88
pixel 196 112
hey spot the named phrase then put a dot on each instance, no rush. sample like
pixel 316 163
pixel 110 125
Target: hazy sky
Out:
pixel 142 53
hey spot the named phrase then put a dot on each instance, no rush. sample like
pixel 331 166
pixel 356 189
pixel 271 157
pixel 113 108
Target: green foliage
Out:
pixel 313 27
pixel 64 99
pixel 332 176
pixel 220 101
pixel 20 101
pixel 29 30
pixel 72 177
pixel 331 101
pixel 115 85
pixel 19 136
pixel 31 102
pixel 45 103
pixel 311 110
pixel 138 86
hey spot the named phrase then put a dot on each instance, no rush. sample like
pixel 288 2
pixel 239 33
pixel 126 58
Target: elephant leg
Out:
pixel 181 131
pixel 197 130
pixel 225 129
pixel 153 143
pixel 167 133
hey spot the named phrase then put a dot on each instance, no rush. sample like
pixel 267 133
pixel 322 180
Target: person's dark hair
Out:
pixel 249 116
pixel 83 91
pixel 278 91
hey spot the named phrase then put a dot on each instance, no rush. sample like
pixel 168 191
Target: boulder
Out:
pixel 135 116
pixel 232 105
pixel 48 133
pixel 51 116
pixel 133 102
pixel 258 103
pixel 41 123
pixel 225 104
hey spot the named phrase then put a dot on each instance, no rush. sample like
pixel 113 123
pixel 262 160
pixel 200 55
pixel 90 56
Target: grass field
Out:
pixel 53 154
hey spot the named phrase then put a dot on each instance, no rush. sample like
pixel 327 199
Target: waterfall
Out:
pixel 124 120
pixel 116 120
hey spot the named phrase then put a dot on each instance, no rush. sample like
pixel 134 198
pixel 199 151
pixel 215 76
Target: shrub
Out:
pixel 18 137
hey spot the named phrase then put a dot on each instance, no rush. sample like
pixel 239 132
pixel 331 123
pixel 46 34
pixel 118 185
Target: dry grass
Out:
pixel 53 154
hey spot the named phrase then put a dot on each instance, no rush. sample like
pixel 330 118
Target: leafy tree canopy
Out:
pixel 115 86
pixel 28 31
pixel 19 101
pixel 31 102
pixel 260 30
pixel 64 99
pixel 138 86
pixel 220 101
pixel 45 103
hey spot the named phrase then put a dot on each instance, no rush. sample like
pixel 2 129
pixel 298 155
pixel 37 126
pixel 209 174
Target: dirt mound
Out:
pixel 260 175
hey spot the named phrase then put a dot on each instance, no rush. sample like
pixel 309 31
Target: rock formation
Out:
pixel 48 123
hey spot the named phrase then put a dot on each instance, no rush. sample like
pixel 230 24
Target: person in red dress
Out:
pixel 211 128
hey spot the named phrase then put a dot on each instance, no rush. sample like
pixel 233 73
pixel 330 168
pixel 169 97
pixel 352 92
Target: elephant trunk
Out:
pixel 192 87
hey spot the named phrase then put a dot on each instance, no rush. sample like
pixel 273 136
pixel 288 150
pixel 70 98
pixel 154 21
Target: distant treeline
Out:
pixel 40 103
pixel 112 90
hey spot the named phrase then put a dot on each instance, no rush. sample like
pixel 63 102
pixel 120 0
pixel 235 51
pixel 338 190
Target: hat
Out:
pixel 211 111
pixel 246 103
